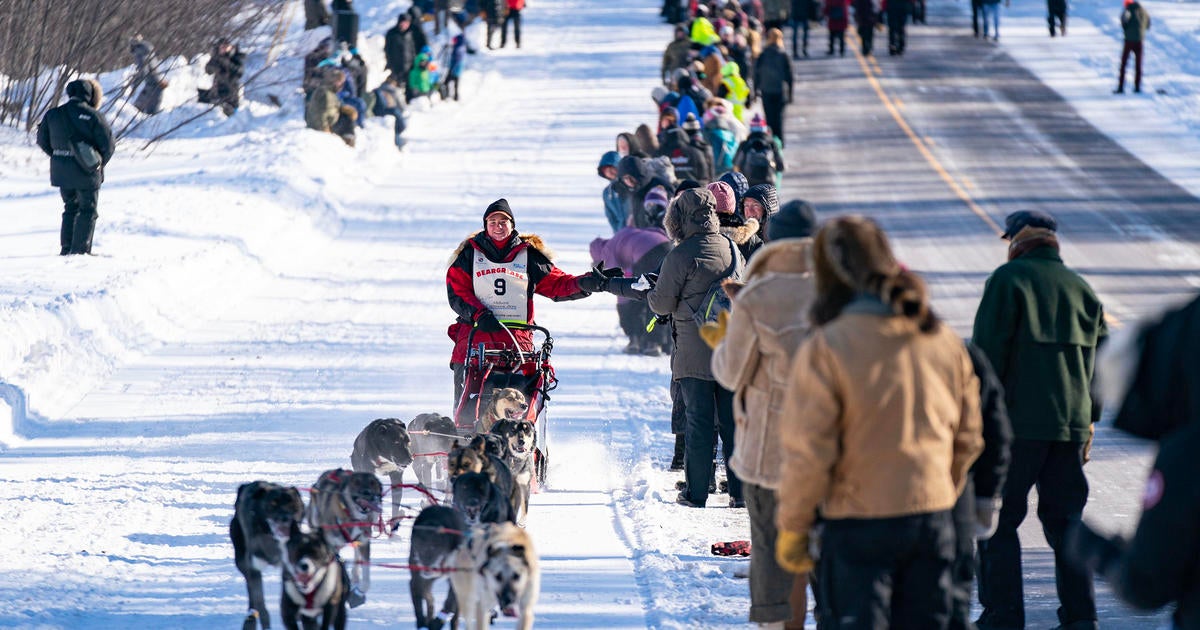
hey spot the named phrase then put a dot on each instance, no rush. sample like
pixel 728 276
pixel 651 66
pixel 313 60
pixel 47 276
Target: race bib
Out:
pixel 504 287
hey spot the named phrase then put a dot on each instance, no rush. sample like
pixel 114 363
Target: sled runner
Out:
pixel 496 365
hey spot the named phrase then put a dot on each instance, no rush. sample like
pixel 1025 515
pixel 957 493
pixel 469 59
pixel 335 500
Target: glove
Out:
pixel 791 552
pixel 986 510
pixel 714 332
pixel 593 282
pixel 487 322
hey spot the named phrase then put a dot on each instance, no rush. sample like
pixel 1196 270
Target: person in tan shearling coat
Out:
pixel 768 321
pixel 879 427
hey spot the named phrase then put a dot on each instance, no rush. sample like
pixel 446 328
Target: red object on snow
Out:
pixel 731 548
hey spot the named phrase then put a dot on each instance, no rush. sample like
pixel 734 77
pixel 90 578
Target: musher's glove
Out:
pixel 487 322
pixel 791 552
pixel 713 332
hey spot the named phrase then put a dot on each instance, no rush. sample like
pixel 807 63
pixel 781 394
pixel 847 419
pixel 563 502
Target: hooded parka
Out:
pixel 77 119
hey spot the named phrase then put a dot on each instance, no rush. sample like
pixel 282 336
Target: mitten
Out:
pixel 487 322
pixel 714 332
pixel 791 552
pixel 986 510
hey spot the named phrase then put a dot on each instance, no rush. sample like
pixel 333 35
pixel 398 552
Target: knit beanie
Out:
pixel 766 197
pixel 738 183
pixel 691 124
pixel 501 206
pixel 657 196
pixel 796 219
pixel 726 200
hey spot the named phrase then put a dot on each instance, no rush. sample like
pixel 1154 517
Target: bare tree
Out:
pixel 46 43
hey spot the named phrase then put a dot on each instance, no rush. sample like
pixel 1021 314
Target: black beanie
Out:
pixel 796 219
pixel 499 205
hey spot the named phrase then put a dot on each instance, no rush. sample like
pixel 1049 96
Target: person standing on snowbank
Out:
pixel 1040 323
pixel 60 134
pixel 1135 21
pixel 880 422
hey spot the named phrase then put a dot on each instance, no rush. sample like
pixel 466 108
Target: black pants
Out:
pixel 867 35
pixel 1136 49
pixel 976 15
pixel 887 572
pixel 839 38
pixel 1056 468
pixel 773 108
pixel 78 220
pixel 1057 16
pixel 799 24
pixel 962 571
pixel 513 16
pixel 707 405
pixel 493 25
pixel 896 36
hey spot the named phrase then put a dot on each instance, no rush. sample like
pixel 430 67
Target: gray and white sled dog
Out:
pixel 501 569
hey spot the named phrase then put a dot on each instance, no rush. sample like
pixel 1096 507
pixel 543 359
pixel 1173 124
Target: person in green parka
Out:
pixel 420 78
pixel 1039 323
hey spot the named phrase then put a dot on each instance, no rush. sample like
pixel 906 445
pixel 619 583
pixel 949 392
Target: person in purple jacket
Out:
pixel 636 251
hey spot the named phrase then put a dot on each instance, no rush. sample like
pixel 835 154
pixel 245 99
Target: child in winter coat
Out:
pixel 420 79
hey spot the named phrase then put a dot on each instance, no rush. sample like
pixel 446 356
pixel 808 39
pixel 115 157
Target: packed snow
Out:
pixel 260 292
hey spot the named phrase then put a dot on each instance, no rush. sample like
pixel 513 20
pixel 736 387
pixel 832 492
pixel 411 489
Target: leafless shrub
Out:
pixel 44 44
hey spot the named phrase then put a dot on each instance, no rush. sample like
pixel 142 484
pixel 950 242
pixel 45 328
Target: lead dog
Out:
pixel 343 507
pixel 501 568
pixel 383 448
pixel 432 433
pixel 436 535
pixel 314 583
pixel 520 437
pixel 264 516
pixel 506 403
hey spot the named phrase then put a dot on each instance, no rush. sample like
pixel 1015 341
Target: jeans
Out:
pixel 886 572
pixel 707 405
pixel 991 13
pixel 1056 468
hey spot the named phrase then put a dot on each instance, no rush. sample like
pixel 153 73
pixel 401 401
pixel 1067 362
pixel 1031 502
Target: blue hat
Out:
pixel 1022 219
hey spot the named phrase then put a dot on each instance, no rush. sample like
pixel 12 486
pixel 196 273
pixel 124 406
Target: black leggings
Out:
pixel 514 16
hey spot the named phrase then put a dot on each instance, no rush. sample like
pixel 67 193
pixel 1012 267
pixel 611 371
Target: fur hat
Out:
pixel 501 206
pixel 86 90
pixel 795 220
pixel 690 123
pixel 726 201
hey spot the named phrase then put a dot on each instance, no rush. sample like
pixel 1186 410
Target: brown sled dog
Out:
pixel 342 507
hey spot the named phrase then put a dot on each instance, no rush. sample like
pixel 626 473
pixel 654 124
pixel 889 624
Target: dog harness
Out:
pixel 503 287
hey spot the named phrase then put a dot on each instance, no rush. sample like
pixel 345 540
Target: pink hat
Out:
pixel 726 202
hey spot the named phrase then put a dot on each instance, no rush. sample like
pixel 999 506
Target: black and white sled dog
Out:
pixel 383 448
pixel 343 507
pixel 436 536
pixel 264 517
pixel 315 587
pixel 520 437
pixel 473 458
pixel 479 500
pixel 432 433
pixel 502 569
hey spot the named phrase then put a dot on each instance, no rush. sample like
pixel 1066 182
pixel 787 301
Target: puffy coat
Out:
pixel 646 177
pixel 743 232
pixel 76 119
pixel 399 50
pixel 545 279
pixel 768 322
pixel 687 160
pixel 879 420
pixel 837 14
pixel 1135 21
pixel 322 109
pixel 701 257
pixel 635 250
pixel 677 55
pixel 773 72
pixel 865 14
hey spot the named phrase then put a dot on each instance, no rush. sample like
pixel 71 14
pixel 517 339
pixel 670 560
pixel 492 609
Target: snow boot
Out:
pixel 677 459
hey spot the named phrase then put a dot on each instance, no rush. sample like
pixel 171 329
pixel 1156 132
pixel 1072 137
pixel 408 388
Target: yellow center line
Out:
pixel 893 109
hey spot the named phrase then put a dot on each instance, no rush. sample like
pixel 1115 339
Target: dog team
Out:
pixel 478 541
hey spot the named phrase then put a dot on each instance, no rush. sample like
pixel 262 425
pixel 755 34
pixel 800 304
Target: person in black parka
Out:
pixel 400 50
pixel 76 120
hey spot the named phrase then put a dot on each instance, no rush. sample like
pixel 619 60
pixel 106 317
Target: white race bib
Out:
pixel 503 287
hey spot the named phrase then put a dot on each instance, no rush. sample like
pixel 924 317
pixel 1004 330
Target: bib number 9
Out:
pixel 501 286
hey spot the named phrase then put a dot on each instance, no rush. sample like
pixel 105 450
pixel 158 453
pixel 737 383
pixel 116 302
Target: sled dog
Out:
pixel 314 583
pixel 502 570
pixel 382 448
pixel 479 500
pixel 431 433
pixel 343 507
pixel 263 517
pixel 436 535
pixel 520 437
pixel 506 403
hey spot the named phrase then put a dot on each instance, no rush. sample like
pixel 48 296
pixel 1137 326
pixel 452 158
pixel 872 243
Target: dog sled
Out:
pixel 493 366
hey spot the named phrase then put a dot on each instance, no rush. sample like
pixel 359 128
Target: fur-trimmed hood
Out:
pixel 532 240
pixel 789 255
pixel 693 212
pixel 86 90
pixel 740 233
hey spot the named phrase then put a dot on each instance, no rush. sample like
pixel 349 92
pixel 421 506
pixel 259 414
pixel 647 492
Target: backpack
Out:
pixel 724 147
pixel 760 165
pixel 837 12
pixel 715 298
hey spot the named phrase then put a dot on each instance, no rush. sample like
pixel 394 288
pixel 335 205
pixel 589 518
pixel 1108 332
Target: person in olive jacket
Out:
pixel 701 257
pixel 1039 323
pixel 1152 379
pixel 1135 21
pixel 76 121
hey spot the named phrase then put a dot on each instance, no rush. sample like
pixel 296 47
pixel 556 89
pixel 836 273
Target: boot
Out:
pixel 677 459
pixel 81 238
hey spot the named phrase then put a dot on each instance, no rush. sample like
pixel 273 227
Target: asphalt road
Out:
pixel 939 145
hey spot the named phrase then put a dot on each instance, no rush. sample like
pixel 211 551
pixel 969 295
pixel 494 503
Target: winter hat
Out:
pixel 796 219
pixel 501 206
pixel 656 197
pixel 658 94
pixel 726 199
pixel 691 124
pixel 738 183
pixel 766 196
pixel 86 90
pixel 687 184
pixel 757 124
pixel 1022 219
